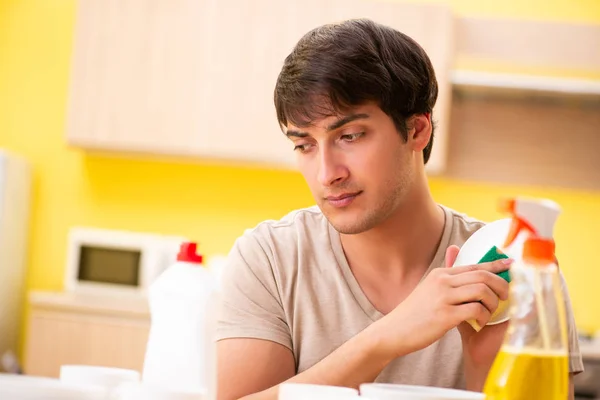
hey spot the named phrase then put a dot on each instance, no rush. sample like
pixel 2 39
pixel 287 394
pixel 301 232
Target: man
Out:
pixel 357 289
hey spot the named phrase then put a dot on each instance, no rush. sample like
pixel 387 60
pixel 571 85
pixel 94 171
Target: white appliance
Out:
pixel 104 261
pixel 15 193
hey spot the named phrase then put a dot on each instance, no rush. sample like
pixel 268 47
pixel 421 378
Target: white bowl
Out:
pixel 388 391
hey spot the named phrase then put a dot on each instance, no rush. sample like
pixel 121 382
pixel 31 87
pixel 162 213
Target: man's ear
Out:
pixel 419 131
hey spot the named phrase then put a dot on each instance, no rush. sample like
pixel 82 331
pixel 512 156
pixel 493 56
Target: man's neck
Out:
pixel 389 261
pixel 406 241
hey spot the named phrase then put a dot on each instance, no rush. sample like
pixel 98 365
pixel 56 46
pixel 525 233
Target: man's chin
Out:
pixel 347 224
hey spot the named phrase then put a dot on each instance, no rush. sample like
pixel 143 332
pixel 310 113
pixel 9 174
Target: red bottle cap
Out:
pixel 539 251
pixel 187 253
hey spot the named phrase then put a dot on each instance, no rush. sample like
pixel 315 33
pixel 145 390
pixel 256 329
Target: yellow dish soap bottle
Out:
pixel 532 363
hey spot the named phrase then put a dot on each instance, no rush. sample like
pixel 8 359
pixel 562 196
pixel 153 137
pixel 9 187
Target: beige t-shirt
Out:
pixel 288 281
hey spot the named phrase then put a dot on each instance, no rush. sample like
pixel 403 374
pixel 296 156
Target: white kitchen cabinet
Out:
pixel 196 77
pixel 67 328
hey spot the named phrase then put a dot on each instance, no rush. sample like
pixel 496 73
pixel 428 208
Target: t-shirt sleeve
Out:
pixel 575 358
pixel 250 304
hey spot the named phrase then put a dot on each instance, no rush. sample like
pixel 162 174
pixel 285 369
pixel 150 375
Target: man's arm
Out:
pixel 258 367
pixel 251 365
pixel 247 368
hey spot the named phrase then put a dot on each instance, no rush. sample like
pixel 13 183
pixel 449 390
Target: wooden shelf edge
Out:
pixel 465 79
pixel 129 306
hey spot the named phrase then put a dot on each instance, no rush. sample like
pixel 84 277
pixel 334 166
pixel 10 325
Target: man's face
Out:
pixel 357 165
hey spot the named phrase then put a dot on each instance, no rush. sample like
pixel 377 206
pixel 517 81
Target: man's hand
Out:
pixel 479 348
pixel 445 299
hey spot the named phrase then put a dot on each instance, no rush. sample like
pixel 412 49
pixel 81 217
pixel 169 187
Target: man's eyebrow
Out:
pixel 298 134
pixel 336 125
pixel 346 120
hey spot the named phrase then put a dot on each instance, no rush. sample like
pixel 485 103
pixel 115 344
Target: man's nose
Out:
pixel 331 169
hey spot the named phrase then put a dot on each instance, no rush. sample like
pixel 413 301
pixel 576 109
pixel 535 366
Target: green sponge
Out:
pixel 494 254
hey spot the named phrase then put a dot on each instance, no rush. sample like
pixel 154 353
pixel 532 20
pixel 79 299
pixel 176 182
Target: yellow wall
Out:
pixel 209 203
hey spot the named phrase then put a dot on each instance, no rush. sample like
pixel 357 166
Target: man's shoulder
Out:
pixel 308 216
pixel 463 225
pixel 274 246
pixel 303 222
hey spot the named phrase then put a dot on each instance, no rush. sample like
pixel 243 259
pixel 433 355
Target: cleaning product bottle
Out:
pixel 179 347
pixel 533 360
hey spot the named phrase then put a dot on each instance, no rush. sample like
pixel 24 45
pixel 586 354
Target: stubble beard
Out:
pixel 377 214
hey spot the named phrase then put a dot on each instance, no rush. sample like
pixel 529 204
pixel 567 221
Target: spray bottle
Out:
pixel 533 361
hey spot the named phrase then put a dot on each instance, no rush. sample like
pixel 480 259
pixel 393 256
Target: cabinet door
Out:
pixel 137 76
pixel 179 77
pixel 57 338
pixel 196 77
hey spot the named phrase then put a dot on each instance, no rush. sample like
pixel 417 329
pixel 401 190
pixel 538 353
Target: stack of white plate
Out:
pixel 20 387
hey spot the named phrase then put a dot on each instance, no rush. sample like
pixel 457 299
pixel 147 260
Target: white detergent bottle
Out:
pixel 178 351
pixel 216 265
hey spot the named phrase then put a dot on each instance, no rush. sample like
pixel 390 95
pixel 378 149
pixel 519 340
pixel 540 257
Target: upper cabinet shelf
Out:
pixel 544 57
pixel 195 78
pixel 468 80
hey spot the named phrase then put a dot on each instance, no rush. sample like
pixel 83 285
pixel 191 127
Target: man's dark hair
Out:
pixel 338 66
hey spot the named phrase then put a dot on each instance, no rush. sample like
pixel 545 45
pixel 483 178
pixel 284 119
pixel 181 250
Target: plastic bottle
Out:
pixel 179 351
pixel 216 266
pixel 533 360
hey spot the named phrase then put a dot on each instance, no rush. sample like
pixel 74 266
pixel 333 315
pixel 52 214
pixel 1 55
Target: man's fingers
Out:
pixel 451 254
pixel 497 284
pixel 494 266
pixel 474 311
pixel 476 292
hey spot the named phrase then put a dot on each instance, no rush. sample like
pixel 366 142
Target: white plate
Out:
pixel 386 391
pixel 490 235
pixel 26 387
pixel 306 391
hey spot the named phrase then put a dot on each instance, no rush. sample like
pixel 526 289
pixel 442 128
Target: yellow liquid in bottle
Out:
pixel 528 374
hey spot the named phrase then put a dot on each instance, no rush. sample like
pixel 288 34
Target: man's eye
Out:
pixel 302 147
pixel 352 136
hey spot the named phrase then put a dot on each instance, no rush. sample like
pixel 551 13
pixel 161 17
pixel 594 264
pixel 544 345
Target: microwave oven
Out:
pixel 111 261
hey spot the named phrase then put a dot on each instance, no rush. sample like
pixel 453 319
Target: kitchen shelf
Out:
pixel 465 80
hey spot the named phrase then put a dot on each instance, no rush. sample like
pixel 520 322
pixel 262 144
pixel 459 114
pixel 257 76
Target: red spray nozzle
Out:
pixel 518 224
pixel 537 217
pixel 507 206
pixel 516 227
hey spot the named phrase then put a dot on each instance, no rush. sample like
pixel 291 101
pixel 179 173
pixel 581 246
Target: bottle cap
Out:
pixel 187 253
pixel 539 250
